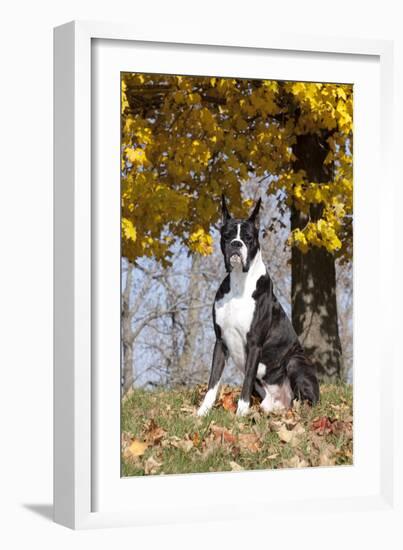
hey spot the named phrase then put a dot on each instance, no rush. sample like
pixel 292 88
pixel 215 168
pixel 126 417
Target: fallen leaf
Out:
pixel 275 425
pixel 291 418
pixel 235 467
pixel 284 434
pixel 170 441
pixel 342 427
pixel 209 445
pixel 228 402
pixel 298 429
pixel 223 434
pixel 136 448
pixel 178 443
pixel 255 416
pixel 340 410
pixel 250 442
pixel 322 425
pixel 316 440
pixel 153 433
pixel 235 451
pixel 151 466
pixel 296 405
pixel 185 445
pixel 344 453
pixel 295 462
pixel 325 458
pixel 196 439
pixel 271 457
pixel 291 436
pixel 188 409
pixel 126 439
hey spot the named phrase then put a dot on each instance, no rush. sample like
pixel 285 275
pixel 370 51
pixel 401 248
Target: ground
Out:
pixel 161 433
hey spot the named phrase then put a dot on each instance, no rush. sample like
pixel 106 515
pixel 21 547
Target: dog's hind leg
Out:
pixel 258 390
pixel 303 380
pixel 277 396
pixel 219 357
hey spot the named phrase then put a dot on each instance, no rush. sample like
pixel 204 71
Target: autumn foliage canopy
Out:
pixel 186 140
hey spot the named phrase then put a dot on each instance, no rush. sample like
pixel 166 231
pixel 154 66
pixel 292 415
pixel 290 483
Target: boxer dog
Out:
pixel 251 326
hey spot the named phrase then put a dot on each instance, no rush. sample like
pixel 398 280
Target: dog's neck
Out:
pixel 242 281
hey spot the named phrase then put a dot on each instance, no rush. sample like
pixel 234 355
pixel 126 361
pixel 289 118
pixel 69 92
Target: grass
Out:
pixel 161 433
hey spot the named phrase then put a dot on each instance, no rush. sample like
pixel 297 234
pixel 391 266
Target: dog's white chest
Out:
pixel 234 315
pixel 234 312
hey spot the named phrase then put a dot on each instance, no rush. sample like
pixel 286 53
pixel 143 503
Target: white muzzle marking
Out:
pixel 235 260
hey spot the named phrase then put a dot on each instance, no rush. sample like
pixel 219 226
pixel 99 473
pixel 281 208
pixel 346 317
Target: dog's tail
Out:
pixel 303 380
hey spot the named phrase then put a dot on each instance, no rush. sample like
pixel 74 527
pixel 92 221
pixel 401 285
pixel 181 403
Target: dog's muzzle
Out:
pixel 235 259
pixel 235 254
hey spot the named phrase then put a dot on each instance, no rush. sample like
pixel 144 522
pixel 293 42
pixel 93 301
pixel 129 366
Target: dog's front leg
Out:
pixel 219 357
pixel 252 361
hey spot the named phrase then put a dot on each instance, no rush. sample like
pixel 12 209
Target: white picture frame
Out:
pixel 78 419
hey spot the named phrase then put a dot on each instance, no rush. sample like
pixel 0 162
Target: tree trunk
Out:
pixel 185 365
pixel 313 275
pixel 127 333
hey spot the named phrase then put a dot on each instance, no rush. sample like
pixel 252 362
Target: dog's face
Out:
pixel 239 238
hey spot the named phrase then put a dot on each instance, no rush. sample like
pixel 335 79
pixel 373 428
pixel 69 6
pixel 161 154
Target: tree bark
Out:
pixel 313 274
pixel 127 333
pixel 181 374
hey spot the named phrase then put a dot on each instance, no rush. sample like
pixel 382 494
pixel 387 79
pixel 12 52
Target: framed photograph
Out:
pixel 221 253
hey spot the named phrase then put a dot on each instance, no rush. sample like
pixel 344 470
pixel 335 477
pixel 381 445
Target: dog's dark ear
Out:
pixel 254 217
pixel 225 214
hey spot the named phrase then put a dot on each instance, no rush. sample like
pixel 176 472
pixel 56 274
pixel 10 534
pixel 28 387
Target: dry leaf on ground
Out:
pixel 228 402
pixel 151 466
pixel 188 409
pixel 275 425
pixel 284 434
pixel 255 416
pixel 136 448
pixel 326 459
pixel 295 462
pixel 153 433
pixel 126 439
pixel 235 467
pixel 250 442
pixel 223 434
pixel 291 418
pixel 184 444
pixel 343 427
pixel 291 436
pixel 322 425
pixel 209 445
pixel 272 456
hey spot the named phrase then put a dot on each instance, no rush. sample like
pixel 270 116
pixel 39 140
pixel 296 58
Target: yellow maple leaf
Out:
pixel 128 229
pixel 136 156
pixel 201 242
pixel 136 448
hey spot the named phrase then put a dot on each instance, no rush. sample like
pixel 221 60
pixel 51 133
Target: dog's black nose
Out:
pixel 236 244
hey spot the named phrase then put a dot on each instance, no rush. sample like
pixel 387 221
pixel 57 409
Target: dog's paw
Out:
pixel 203 410
pixel 268 406
pixel 243 408
pixel 208 401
